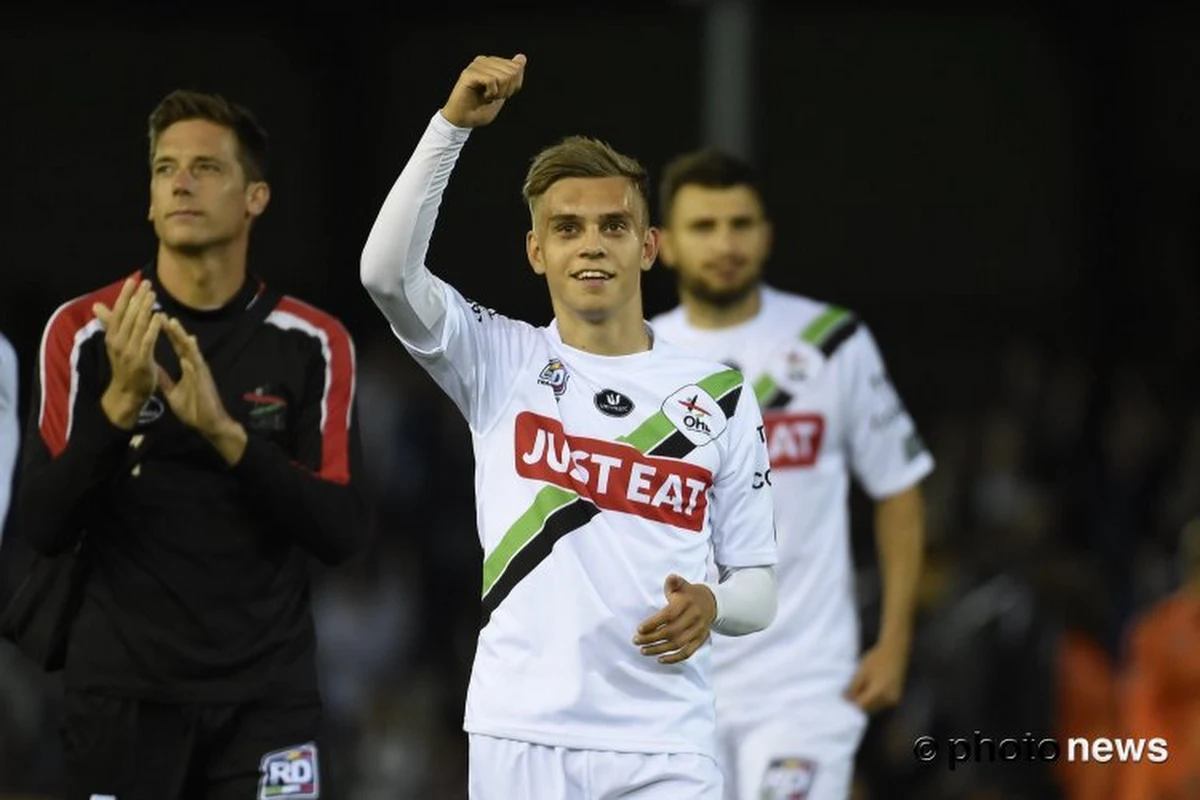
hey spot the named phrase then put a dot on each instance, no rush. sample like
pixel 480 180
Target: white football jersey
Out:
pixel 596 478
pixel 830 410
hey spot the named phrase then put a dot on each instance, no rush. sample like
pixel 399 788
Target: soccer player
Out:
pixel 9 427
pixel 608 467
pixel 791 704
pixel 192 432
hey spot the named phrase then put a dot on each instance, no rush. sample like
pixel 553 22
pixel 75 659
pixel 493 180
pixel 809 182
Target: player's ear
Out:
pixel 258 194
pixel 666 248
pixel 533 250
pixel 650 245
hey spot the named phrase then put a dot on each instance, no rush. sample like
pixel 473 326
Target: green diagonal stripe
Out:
pixel 657 427
pixel 764 388
pixel 719 383
pixel 820 326
pixel 527 526
pixel 550 499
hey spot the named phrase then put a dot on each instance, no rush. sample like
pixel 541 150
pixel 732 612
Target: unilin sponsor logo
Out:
pixel 613 403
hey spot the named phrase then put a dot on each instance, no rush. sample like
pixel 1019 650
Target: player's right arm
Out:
pixel 744 539
pixel 79 429
pixel 430 317
pixel 9 426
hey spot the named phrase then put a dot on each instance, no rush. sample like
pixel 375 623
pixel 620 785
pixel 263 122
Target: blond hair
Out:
pixel 583 157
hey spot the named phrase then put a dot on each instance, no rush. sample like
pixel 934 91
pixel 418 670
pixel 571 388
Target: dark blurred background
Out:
pixel 1007 193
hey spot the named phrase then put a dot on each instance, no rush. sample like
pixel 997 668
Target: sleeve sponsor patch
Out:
pixel 696 414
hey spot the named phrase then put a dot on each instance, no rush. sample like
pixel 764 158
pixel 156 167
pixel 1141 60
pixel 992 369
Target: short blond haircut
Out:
pixel 583 157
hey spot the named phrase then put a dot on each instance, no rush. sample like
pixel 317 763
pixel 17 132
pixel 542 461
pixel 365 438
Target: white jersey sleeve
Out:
pixel 476 356
pixel 468 349
pixel 743 512
pixel 885 450
pixel 9 424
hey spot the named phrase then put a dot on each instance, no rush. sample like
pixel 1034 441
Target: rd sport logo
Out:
pixel 292 773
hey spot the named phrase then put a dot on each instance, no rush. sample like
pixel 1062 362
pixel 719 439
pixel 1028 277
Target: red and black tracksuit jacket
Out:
pixel 200 573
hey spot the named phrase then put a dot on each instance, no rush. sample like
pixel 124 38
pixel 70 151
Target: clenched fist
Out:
pixel 482 88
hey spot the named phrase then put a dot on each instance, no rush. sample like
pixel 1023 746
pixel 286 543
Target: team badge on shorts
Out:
pixel 554 375
pixel 788 779
pixel 290 773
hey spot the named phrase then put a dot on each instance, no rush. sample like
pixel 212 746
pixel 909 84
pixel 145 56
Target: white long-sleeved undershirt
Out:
pixel 411 298
pixel 747 598
pixel 393 260
pixel 10 429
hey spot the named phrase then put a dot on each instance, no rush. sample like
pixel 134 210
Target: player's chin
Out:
pixel 188 240
pixel 723 291
pixel 730 283
pixel 593 300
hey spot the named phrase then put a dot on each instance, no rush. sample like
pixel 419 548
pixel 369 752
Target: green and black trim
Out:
pixel 658 436
pixel 770 394
pixel 831 329
pixel 556 511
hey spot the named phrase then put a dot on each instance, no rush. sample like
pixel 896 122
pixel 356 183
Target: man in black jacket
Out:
pixel 194 432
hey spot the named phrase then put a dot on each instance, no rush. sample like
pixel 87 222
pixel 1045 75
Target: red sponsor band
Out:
pixel 794 440
pixel 614 476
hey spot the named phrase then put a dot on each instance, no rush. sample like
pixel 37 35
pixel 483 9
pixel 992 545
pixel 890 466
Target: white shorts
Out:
pixel 506 769
pixel 806 755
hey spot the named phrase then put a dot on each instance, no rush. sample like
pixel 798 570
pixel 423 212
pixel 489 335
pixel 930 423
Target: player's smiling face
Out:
pixel 717 240
pixel 591 240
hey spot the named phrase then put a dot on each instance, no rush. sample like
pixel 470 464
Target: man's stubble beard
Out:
pixel 718 298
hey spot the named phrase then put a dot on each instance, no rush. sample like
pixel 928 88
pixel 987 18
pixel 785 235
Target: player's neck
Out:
pixel 204 280
pixel 619 334
pixel 703 314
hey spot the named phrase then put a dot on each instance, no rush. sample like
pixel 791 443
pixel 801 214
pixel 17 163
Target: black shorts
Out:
pixel 127 749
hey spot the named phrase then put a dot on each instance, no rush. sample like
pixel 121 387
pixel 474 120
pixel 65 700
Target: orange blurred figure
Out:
pixel 1161 692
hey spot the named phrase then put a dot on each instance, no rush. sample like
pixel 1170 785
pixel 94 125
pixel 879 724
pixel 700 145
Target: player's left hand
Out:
pixel 879 681
pixel 194 397
pixel 678 630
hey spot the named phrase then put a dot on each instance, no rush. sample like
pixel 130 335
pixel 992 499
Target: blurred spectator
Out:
pixel 1161 695
pixel 1086 677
